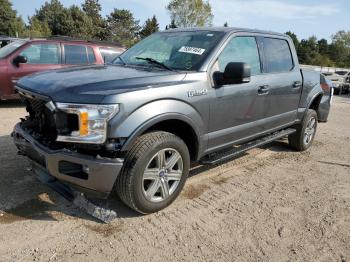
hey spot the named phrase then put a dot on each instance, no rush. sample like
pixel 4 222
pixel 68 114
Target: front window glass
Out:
pixel 176 50
pixel 8 49
pixel 241 49
pixel 42 54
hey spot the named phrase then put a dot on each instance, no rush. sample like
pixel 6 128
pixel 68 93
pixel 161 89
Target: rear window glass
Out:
pixel 109 54
pixel 77 55
pixel 277 55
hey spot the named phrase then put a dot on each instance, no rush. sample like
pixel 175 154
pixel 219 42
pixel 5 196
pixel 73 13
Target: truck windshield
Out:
pixel 8 49
pixel 173 50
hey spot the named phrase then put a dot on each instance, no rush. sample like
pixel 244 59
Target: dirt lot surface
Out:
pixel 272 204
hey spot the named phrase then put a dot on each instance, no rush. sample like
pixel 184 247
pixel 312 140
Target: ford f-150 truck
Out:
pixel 185 95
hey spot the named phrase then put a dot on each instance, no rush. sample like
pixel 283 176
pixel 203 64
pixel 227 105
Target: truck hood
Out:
pixel 91 84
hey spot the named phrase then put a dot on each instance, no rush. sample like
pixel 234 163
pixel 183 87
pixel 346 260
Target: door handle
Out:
pixel 297 84
pixel 263 90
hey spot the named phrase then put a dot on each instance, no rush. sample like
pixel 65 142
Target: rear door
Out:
pixel 283 79
pixel 41 56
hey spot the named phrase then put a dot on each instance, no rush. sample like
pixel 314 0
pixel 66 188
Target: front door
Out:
pixel 237 111
pixel 40 57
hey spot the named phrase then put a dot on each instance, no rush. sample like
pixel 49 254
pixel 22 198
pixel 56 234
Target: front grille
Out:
pixel 37 104
pixel 41 121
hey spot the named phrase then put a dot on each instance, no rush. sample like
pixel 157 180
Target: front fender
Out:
pixel 155 112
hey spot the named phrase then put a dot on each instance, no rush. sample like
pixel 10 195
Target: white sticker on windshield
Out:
pixel 192 50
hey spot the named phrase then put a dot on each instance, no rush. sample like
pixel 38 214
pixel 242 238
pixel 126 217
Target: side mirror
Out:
pixel 235 73
pixel 19 60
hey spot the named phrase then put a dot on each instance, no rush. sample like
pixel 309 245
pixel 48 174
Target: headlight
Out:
pixel 93 121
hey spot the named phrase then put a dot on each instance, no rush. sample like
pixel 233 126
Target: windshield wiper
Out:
pixel 153 61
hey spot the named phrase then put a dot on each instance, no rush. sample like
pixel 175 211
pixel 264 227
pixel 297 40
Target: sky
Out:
pixel 305 18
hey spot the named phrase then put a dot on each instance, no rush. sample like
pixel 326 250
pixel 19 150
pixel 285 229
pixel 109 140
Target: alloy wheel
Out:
pixel 162 175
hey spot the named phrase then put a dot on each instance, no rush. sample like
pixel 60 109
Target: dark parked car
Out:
pixel 24 57
pixel 202 95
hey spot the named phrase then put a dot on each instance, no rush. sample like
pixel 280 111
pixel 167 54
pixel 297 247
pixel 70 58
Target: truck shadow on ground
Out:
pixel 11 104
pixel 23 197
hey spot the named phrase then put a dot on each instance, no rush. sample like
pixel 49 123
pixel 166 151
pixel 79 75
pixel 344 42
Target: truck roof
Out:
pixel 225 29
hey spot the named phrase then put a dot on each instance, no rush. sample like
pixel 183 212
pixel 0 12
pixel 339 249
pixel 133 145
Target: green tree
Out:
pixel 37 28
pixel 340 48
pixel 190 13
pixel 151 26
pixel 342 37
pixel 172 25
pixel 322 46
pixel 78 23
pixel 294 38
pixel 93 9
pixel 319 52
pixel 123 28
pixel 10 24
pixel 72 21
pixel 55 15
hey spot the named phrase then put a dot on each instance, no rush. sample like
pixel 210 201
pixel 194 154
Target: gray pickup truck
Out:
pixel 185 95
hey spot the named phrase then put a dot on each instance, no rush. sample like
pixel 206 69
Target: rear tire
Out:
pixel 154 172
pixel 303 138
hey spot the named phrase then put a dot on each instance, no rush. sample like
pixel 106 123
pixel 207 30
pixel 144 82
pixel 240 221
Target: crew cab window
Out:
pixel 109 54
pixel 241 49
pixel 42 54
pixel 79 55
pixel 277 55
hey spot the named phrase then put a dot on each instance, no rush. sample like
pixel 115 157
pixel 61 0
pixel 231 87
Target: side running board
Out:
pixel 216 158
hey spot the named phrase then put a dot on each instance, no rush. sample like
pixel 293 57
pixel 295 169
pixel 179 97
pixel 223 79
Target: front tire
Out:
pixel 154 172
pixel 303 138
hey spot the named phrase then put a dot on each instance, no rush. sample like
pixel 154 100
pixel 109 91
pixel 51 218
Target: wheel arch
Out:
pixel 315 103
pixel 177 124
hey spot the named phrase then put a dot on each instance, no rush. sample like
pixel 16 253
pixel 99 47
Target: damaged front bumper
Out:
pixel 94 176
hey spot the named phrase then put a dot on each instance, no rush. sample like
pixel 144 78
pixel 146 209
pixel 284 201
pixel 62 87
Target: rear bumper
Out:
pixel 88 174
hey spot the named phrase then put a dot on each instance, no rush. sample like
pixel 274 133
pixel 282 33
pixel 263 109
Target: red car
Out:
pixel 24 57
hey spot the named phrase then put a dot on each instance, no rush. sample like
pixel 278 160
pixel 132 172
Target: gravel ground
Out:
pixel 272 204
